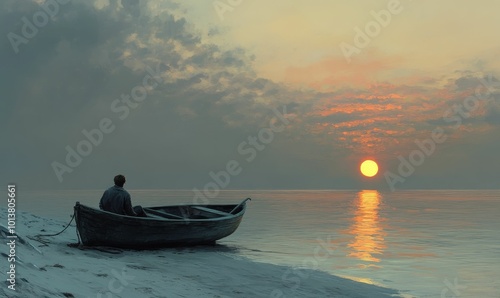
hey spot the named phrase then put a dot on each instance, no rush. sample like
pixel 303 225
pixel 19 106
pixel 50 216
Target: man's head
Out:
pixel 119 180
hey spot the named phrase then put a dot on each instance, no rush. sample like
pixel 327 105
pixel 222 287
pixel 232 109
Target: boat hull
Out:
pixel 100 228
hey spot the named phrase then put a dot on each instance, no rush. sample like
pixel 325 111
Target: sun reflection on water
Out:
pixel 368 240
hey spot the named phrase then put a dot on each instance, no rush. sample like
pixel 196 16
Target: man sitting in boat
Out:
pixel 117 200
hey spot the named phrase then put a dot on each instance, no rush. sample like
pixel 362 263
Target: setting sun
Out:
pixel 369 168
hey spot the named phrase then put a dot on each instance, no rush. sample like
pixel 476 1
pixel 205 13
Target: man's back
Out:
pixel 117 200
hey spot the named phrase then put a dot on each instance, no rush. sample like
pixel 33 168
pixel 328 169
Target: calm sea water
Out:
pixel 422 243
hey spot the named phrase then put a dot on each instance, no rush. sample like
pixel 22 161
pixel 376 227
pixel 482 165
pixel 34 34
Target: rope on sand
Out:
pixel 49 235
pixel 45 242
pixel 79 245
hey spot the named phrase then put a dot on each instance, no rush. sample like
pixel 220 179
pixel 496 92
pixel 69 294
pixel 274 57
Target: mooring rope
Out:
pixel 37 237
pixel 49 235
pixel 79 245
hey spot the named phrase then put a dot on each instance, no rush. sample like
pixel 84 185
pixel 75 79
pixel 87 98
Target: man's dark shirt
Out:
pixel 117 200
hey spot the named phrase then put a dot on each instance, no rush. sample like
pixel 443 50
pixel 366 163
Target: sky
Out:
pixel 237 94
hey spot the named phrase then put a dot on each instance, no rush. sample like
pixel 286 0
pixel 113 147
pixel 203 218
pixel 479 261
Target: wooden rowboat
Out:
pixel 165 226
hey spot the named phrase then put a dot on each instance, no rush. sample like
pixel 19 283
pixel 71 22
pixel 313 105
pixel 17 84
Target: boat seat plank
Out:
pixel 222 213
pixel 163 214
pixel 151 215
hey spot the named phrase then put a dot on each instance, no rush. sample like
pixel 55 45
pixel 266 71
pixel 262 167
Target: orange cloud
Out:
pixel 358 110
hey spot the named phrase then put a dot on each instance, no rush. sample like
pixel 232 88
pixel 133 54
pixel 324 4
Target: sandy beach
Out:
pixel 58 270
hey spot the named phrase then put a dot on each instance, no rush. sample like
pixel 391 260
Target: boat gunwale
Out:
pixel 170 219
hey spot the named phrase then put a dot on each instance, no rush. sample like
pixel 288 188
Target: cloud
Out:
pixel 67 77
